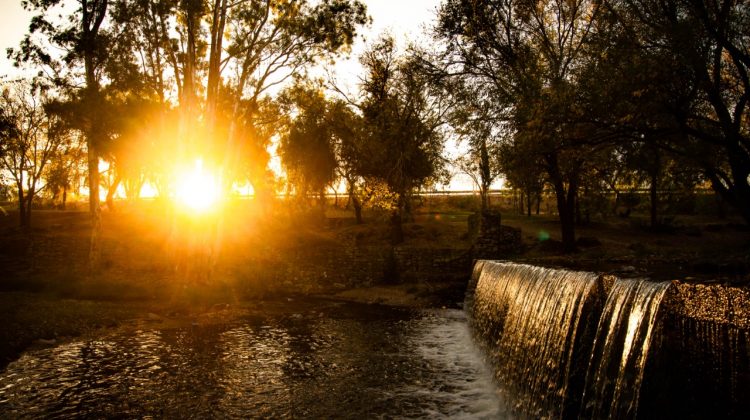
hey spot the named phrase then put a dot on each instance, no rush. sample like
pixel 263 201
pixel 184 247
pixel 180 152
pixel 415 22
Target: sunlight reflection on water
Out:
pixel 337 360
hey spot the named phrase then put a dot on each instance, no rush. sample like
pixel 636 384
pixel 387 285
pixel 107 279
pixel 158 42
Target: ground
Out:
pixel 64 302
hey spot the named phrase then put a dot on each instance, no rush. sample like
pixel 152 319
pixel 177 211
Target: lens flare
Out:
pixel 197 189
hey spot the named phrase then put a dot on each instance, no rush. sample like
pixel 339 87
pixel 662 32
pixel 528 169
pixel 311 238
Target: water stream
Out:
pixel 332 359
pixel 623 340
pixel 531 319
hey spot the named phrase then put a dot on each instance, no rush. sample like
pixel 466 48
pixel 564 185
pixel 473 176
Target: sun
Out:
pixel 197 189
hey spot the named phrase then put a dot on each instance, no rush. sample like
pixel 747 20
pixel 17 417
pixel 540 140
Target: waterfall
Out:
pixel 531 320
pixel 623 339
pixel 568 344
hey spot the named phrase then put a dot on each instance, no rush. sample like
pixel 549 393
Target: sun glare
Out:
pixel 197 189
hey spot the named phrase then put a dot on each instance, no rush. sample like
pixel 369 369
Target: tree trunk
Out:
pixel 111 192
pixel 617 202
pixel 357 210
pixel 355 202
pixel 566 203
pixel 566 211
pixel 406 213
pixel 90 28
pixel 21 208
pixel 94 207
pixel 29 202
pixel 214 61
pixel 654 173
pixel 484 205
pixel 322 201
pixel 538 203
pixel 654 201
pixel 93 167
pixel 485 174
pixel 397 228
pixel 528 203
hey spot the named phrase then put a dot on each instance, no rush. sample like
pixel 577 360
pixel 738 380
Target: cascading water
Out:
pixel 576 345
pixel 532 320
pixel 621 348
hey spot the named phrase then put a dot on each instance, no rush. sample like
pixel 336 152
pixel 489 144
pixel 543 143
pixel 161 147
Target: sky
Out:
pixel 406 20
pixel 14 22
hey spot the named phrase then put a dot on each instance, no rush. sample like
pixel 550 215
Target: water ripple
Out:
pixel 338 360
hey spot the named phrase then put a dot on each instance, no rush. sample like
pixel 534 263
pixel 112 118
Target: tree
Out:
pixel 702 47
pixel 482 160
pixel 523 171
pixel 31 142
pixel 65 168
pixel 347 127
pixel 84 42
pixel 269 41
pixel 528 56
pixel 402 123
pixel 307 147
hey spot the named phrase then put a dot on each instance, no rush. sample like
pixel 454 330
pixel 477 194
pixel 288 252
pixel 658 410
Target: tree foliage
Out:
pixel 307 147
pixel 402 125
pixel 31 138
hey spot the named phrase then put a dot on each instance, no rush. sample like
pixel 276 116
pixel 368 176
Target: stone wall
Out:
pixel 710 302
pixel 496 241
pixel 310 270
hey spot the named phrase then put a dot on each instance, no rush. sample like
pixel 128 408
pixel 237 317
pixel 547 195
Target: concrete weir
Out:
pixel 571 344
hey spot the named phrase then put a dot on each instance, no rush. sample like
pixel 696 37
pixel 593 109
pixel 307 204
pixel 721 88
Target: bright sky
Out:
pixel 405 19
pixel 14 22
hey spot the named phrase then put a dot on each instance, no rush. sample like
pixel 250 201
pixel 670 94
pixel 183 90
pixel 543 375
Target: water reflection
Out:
pixel 333 360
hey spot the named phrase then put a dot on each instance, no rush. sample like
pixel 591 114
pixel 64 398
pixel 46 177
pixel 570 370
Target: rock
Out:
pixel 45 341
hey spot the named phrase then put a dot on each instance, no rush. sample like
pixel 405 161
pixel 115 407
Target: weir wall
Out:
pixel 697 365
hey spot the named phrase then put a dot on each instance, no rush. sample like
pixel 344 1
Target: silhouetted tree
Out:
pixel 307 147
pixel 527 56
pixel 403 140
pixel 30 142
pixel 700 57
pixel 347 129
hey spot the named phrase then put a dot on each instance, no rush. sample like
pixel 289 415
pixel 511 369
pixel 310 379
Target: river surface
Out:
pixel 328 360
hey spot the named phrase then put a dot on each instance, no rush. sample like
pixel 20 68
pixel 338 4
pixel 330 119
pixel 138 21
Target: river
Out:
pixel 323 359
